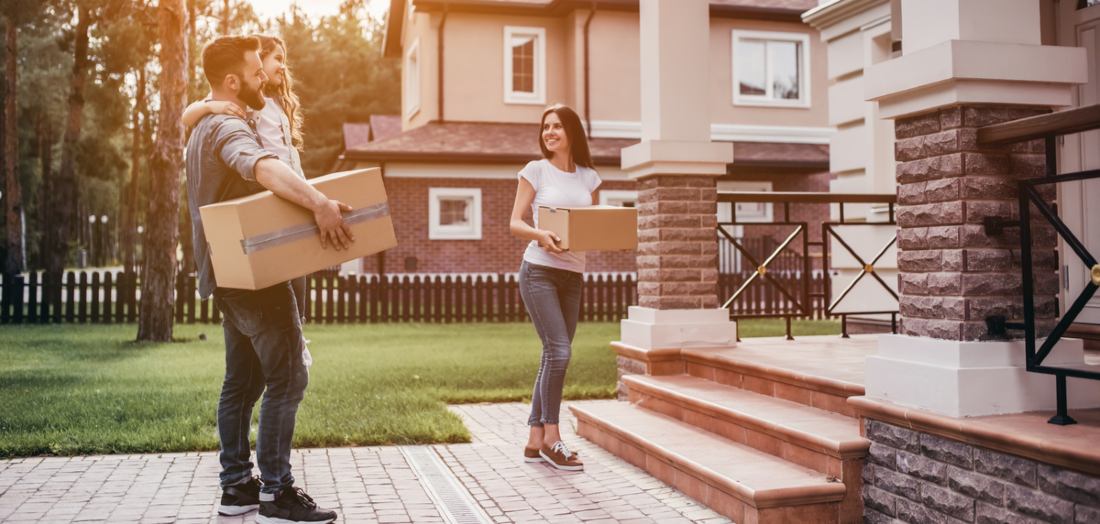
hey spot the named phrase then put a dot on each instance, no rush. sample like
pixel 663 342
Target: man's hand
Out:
pixel 331 223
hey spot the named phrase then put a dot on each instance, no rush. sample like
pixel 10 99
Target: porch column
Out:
pixel 675 165
pixel 962 69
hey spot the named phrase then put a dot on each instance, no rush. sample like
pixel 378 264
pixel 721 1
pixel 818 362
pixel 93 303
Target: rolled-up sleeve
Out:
pixel 239 148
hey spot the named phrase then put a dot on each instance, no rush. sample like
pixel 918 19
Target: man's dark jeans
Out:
pixel 263 355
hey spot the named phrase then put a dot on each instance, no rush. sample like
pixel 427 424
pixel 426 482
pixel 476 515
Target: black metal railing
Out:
pixel 796 267
pixel 1048 127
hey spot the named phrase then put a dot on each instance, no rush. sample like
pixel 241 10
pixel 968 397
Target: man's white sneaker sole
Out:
pixel 260 519
pixel 233 511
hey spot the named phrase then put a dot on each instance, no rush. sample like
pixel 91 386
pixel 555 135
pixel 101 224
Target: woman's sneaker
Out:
pixel 241 498
pixel 531 455
pixel 560 457
pixel 293 506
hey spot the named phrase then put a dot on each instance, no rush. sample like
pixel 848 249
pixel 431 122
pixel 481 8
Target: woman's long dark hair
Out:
pixel 578 142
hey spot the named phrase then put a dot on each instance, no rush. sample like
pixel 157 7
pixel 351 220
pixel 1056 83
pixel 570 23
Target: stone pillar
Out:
pixel 961 70
pixel 675 165
pixel 954 273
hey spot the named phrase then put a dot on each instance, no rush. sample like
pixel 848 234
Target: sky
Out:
pixel 312 8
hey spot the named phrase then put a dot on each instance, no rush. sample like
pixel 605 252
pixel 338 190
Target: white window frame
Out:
pixel 737 35
pixel 436 231
pixel 764 209
pixel 412 79
pixel 619 195
pixel 539 80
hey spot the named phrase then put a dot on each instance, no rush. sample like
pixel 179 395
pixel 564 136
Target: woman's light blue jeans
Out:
pixel 553 300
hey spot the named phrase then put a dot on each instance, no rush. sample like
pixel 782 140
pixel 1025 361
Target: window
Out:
pixel 454 213
pixel 524 65
pixel 618 197
pixel 771 68
pixel 412 79
pixel 746 211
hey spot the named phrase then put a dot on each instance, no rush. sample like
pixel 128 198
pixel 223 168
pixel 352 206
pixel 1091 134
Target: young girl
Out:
pixel 279 123
pixel 550 279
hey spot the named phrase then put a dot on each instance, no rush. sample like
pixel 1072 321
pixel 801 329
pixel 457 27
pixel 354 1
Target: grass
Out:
pixel 72 389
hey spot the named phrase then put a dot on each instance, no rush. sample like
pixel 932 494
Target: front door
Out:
pixel 1079 25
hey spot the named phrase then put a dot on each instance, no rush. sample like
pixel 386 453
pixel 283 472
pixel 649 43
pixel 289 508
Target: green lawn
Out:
pixel 87 389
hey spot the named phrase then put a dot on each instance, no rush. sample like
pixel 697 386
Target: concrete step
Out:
pixel 823 441
pixel 803 384
pixel 742 483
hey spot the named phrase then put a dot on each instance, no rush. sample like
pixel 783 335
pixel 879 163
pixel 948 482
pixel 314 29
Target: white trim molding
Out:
pixel 470 231
pixel 725 132
pixel 411 98
pixel 616 197
pixel 538 35
pixel 767 100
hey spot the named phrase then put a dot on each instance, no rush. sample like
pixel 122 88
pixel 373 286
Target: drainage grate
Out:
pixel 452 499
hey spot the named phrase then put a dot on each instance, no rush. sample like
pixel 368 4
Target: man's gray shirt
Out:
pixel 221 160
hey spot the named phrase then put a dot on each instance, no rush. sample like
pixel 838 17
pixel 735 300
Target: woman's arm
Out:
pixel 201 108
pixel 525 195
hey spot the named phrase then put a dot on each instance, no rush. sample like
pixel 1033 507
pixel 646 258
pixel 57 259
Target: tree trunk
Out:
pixel 159 273
pixel 45 156
pixel 13 193
pixel 61 229
pixel 226 17
pixel 128 197
pixel 188 262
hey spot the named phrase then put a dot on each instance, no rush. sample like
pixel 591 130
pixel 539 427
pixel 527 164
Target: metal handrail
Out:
pixel 1048 127
pixel 803 306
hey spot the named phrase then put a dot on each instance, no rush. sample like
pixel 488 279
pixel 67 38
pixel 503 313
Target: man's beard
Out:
pixel 252 97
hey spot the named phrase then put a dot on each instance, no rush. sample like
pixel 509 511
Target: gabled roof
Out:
pixel 785 10
pixel 384 126
pixel 496 143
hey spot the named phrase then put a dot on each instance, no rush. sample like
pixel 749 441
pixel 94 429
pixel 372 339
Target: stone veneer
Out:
pixel 677 246
pixel 954 275
pixel 914 476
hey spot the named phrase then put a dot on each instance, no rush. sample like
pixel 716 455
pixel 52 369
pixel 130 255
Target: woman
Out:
pixel 279 123
pixel 550 279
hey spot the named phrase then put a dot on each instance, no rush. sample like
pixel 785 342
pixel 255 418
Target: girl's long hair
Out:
pixel 283 94
pixel 578 142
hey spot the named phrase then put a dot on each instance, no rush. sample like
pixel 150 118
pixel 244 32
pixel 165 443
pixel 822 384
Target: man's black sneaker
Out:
pixel 239 499
pixel 293 506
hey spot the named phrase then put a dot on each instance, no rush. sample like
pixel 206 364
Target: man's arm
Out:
pixel 240 150
pixel 280 179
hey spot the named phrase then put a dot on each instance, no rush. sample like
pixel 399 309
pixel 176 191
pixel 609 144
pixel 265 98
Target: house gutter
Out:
pixel 439 61
pixel 587 99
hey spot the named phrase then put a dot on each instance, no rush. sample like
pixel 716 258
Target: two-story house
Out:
pixel 477 74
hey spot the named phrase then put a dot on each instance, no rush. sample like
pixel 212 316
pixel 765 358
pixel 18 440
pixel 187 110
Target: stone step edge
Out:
pixel 853 448
pixel 791 377
pixel 825 492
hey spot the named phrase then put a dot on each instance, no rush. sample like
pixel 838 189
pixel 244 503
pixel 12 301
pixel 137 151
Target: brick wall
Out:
pixel 953 274
pixel 497 251
pixel 913 476
pixel 678 249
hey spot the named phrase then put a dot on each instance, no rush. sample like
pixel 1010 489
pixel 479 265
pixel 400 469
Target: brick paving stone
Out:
pixel 364 484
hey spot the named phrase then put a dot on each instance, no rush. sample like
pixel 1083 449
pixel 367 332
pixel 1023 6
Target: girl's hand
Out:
pixel 549 241
pixel 221 107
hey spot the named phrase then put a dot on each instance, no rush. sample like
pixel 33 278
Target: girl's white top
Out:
pixel 557 188
pixel 273 126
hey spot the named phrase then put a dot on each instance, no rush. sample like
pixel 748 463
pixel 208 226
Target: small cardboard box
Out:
pixel 592 228
pixel 261 240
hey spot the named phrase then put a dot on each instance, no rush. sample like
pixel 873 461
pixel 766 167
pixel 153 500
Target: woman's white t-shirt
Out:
pixel 557 188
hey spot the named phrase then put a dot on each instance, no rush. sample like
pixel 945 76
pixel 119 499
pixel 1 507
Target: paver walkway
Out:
pixel 368 484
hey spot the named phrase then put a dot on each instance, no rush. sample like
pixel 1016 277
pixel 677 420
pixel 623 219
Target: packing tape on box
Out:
pixel 290 234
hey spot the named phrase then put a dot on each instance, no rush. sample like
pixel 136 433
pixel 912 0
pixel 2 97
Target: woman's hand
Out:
pixel 549 241
pixel 222 107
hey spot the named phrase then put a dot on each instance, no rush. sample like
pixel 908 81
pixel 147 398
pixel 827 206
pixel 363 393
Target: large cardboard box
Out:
pixel 261 240
pixel 592 228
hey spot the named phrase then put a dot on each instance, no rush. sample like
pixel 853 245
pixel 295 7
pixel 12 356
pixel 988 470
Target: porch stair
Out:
pixel 755 442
